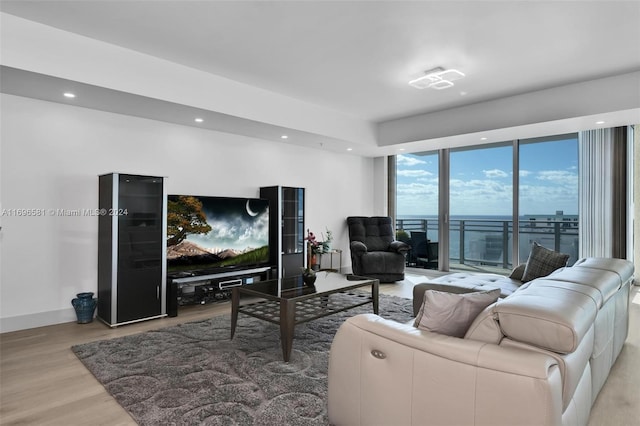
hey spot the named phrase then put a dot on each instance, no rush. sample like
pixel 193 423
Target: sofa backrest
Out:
pixel 551 318
pixel 548 314
pixel 623 268
pixel 606 283
pixel 556 311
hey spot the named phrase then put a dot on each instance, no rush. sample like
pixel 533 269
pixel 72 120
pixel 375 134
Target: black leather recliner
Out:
pixel 375 252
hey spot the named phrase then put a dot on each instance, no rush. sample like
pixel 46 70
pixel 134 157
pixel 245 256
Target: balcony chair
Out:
pixel 418 247
pixel 427 255
pixel 375 252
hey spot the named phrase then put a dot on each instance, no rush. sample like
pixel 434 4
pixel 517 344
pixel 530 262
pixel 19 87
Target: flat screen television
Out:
pixel 216 234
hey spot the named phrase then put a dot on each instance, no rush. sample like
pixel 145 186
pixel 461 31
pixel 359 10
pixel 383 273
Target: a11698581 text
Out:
pixel 29 212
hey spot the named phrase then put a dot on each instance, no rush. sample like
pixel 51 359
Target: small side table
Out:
pixel 328 258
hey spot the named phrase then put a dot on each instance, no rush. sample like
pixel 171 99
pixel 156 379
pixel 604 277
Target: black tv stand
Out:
pixel 190 288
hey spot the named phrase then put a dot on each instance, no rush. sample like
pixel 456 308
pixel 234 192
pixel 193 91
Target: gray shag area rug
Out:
pixel 194 374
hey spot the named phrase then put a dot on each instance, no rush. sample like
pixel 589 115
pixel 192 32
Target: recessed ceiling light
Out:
pixel 198 120
pixel 349 149
pixel 284 137
pixel 69 95
pixel 599 122
pixel 483 139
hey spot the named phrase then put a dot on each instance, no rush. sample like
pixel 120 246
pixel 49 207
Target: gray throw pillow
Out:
pixel 518 272
pixel 452 313
pixel 542 262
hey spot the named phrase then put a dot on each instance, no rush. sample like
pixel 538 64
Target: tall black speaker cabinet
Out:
pixel 287 231
pixel 131 248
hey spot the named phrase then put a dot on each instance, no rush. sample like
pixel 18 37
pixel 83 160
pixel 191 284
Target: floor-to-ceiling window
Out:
pixel 548 195
pixel 486 202
pixel 481 207
pixel 417 206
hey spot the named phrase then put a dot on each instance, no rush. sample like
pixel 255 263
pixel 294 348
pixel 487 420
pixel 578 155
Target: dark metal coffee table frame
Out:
pixel 288 310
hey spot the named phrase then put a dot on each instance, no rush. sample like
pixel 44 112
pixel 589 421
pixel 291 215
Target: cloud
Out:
pixel 558 176
pixel 495 173
pixel 404 160
pixel 417 198
pixel 478 187
pixel 480 197
pixel 556 197
pixel 414 173
pixel 525 173
pixel 417 189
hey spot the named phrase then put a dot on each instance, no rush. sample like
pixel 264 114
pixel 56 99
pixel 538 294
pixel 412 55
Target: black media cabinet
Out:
pixel 185 288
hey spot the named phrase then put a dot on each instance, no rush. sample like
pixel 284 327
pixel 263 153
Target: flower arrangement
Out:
pixel 315 247
pixel 319 247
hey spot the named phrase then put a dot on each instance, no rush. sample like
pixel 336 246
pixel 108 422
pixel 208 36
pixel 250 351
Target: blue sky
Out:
pixel 481 180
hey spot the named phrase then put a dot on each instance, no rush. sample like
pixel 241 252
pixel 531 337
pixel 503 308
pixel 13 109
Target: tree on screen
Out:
pixel 185 217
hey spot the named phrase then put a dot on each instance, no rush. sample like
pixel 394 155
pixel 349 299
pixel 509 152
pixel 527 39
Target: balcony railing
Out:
pixel 489 241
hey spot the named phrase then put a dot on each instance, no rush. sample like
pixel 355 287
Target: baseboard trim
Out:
pixel 40 319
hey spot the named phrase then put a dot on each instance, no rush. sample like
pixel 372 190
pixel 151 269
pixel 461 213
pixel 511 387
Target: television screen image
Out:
pixel 216 233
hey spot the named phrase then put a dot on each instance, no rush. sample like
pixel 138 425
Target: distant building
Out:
pixel 548 221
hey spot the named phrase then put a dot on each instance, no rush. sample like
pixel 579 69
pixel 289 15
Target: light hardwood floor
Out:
pixel 43 383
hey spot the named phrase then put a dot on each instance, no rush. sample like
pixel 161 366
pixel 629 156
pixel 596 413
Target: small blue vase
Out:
pixel 85 305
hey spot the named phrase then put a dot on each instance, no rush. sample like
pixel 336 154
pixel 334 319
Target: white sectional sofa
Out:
pixel 538 356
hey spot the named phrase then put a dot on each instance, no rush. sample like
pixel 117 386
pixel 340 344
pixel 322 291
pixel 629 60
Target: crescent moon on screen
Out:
pixel 249 211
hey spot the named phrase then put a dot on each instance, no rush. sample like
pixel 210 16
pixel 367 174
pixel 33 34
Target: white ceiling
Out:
pixel 357 57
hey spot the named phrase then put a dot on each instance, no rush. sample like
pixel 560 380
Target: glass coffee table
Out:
pixel 289 301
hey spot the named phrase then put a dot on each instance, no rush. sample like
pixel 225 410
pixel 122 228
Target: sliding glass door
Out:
pixel 549 195
pixel 481 208
pixel 417 188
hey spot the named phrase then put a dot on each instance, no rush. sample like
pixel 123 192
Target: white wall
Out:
pixel 51 155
